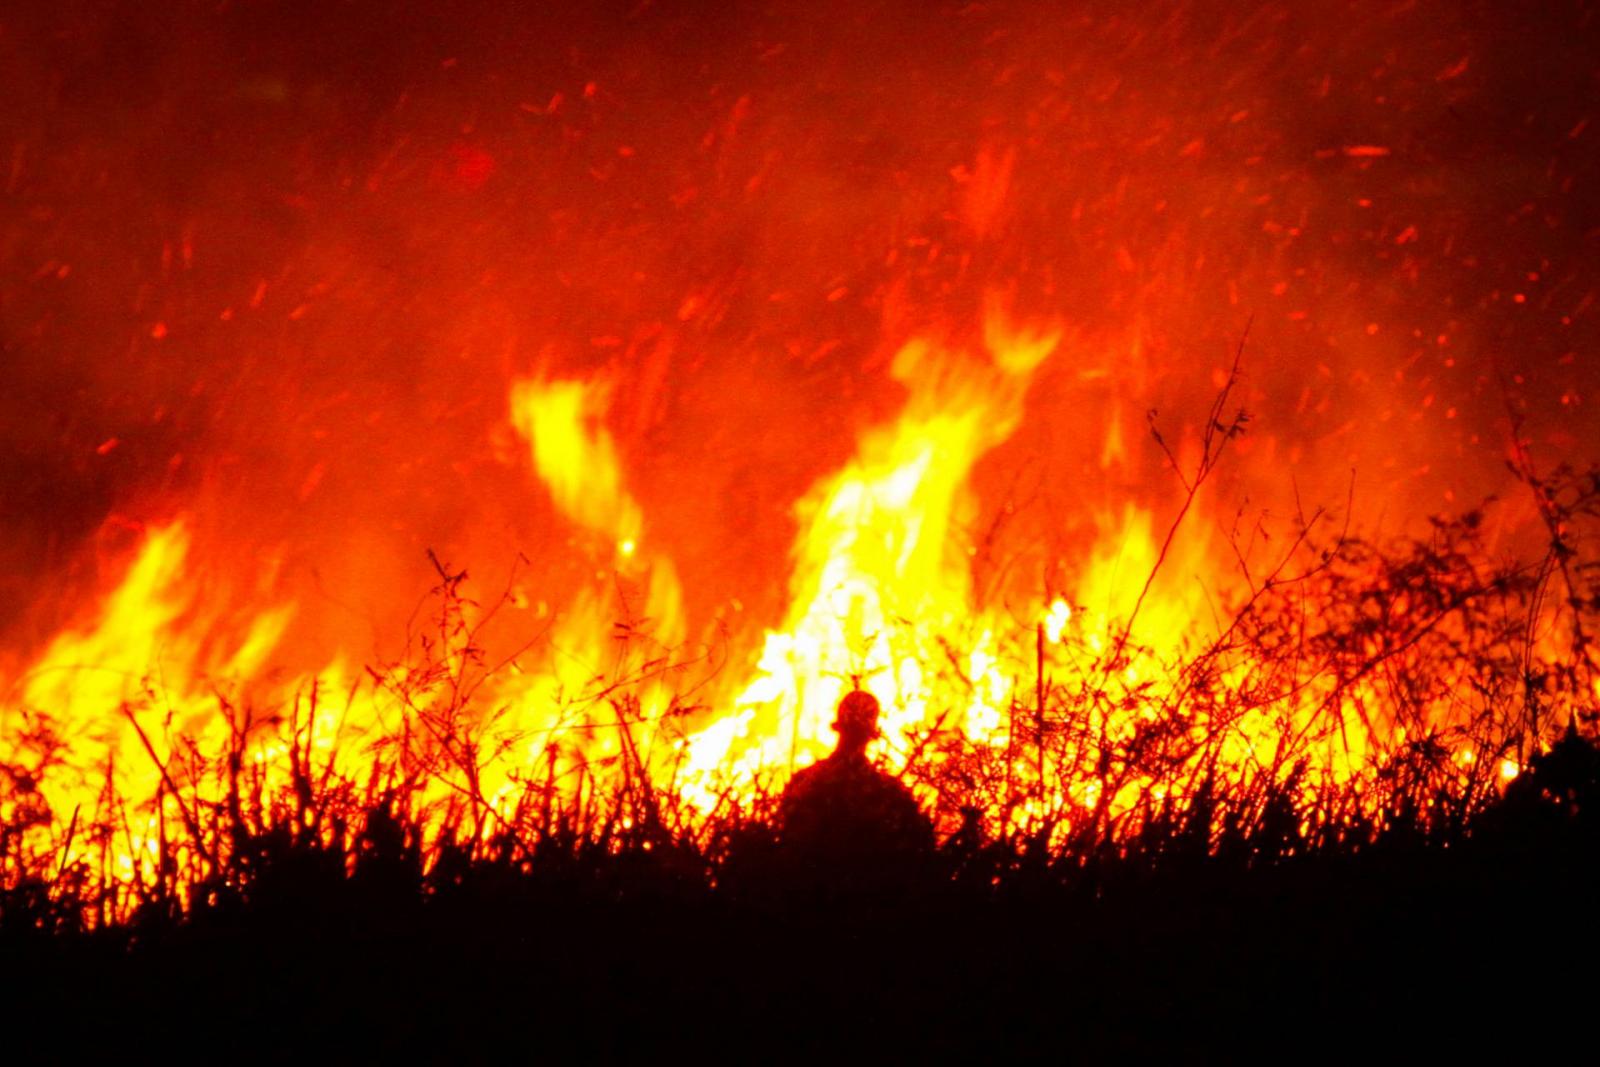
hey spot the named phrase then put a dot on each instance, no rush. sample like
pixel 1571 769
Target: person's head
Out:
pixel 856 720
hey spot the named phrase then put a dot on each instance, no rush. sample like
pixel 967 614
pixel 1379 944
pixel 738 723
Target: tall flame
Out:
pixel 878 577
pixel 1110 683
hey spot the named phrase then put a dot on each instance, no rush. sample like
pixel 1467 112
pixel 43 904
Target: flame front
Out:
pixel 534 432
pixel 879 579
pixel 1087 705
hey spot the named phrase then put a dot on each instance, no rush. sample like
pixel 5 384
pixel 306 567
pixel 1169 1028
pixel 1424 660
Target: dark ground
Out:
pixel 1409 945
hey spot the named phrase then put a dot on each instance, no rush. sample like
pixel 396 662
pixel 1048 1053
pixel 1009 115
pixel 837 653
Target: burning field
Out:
pixel 456 462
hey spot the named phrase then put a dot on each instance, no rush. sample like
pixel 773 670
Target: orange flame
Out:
pixel 147 696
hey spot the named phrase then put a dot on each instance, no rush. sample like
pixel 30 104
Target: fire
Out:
pixel 575 457
pixel 874 586
pixel 133 693
pixel 1055 620
pixel 147 698
pixel 595 431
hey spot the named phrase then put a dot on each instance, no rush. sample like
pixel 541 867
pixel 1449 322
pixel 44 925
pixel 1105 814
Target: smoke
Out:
pixel 274 267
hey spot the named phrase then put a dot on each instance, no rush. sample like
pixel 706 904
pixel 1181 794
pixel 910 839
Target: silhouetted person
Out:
pixel 843 822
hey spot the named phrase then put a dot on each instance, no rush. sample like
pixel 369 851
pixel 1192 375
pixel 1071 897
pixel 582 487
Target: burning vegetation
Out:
pixel 466 468
pixel 1316 679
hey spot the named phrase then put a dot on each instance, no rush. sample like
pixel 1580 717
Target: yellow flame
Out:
pixel 878 575
pixel 1056 619
pixel 880 595
pixel 575 455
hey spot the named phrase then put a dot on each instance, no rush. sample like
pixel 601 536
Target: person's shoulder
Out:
pixel 886 783
pixel 806 780
pixel 812 772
